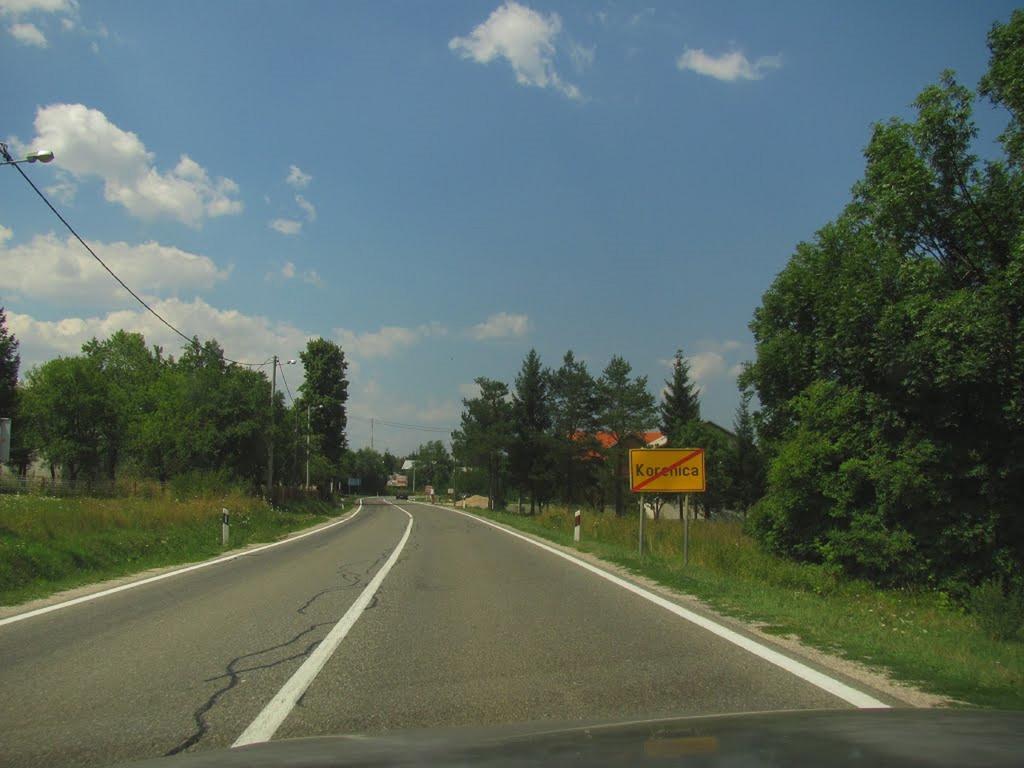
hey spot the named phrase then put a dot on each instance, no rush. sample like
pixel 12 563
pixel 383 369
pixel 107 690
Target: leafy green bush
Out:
pixel 998 609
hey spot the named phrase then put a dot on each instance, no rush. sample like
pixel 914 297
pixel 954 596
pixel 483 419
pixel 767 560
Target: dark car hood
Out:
pixel 860 738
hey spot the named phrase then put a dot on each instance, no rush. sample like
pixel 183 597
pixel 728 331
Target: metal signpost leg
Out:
pixel 641 526
pixel 686 525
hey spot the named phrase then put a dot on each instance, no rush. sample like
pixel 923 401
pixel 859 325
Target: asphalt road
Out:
pixel 471 626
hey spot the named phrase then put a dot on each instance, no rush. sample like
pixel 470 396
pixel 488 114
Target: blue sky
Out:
pixel 442 186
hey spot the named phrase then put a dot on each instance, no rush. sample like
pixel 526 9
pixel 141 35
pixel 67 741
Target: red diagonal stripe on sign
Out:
pixel 665 470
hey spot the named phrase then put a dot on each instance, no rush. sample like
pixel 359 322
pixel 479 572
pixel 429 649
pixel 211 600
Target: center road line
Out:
pixel 269 720
pixel 814 677
pixel 176 572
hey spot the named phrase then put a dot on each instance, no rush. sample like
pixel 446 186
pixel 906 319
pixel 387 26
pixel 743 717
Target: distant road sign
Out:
pixel 355 482
pixel 666 470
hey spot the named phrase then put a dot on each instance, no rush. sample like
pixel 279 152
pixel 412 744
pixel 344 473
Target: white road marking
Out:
pixel 169 574
pixel 814 677
pixel 269 720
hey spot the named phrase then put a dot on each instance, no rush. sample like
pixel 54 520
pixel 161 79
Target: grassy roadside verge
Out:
pixel 917 637
pixel 51 544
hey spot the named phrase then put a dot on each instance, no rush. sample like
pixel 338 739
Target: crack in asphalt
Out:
pixel 349 579
pixel 233 675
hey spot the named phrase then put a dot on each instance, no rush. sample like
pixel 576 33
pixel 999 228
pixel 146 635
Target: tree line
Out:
pixel 563 435
pixel 122 406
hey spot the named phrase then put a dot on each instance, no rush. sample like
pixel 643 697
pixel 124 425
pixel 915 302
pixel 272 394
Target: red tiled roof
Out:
pixel 607 439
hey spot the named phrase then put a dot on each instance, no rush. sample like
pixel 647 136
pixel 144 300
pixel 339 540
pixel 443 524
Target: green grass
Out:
pixel 49 544
pixel 919 637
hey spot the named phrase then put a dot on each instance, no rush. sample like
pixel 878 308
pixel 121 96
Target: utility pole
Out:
pixel 371 433
pixel 270 449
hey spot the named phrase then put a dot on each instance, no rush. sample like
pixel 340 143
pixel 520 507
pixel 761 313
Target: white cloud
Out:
pixel 248 338
pixel 386 341
pixel 64 189
pixel 86 143
pixel 288 270
pixel 525 39
pixel 312 277
pixel 582 57
pixel 28 34
pixel 716 360
pixel 296 178
pixel 469 390
pixel 286 226
pixel 705 366
pixel 640 16
pixel 48 267
pixel 19 7
pixel 729 66
pixel 5 234
pixel 307 207
pixel 501 326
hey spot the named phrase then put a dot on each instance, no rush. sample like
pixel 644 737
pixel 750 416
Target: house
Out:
pixel 606 440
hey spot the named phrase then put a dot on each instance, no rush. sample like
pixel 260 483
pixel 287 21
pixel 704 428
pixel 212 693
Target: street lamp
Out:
pixel 40 156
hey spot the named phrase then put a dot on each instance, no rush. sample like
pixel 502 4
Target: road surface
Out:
pixel 470 626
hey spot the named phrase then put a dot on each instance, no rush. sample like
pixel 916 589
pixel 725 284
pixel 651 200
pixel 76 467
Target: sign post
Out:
pixel 668 470
pixel 643 514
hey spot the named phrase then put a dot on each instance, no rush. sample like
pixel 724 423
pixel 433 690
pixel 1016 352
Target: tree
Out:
pixel 745 464
pixel 890 355
pixel 10 397
pixel 67 403
pixel 208 415
pixel 434 465
pixel 532 447
pixel 370 467
pixel 625 408
pixel 9 362
pixel 130 370
pixel 325 390
pixel 483 439
pixel 1003 83
pixel 574 419
pixel 681 404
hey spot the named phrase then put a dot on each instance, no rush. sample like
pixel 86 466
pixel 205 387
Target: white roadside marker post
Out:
pixel 577 523
pixel 225 529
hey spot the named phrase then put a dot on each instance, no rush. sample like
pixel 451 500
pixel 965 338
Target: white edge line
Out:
pixel 814 677
pixel 278 708
pixel 169 574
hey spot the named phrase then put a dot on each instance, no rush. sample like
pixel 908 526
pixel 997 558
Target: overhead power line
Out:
pixel 402 425
pixel 191 340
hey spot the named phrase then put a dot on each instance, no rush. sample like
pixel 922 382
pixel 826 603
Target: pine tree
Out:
pixel 681 405
pixel 531 408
